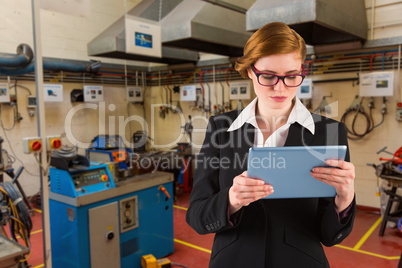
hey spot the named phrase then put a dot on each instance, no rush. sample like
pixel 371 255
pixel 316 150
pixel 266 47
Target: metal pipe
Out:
pixel 399 72
pixel 52 66
pixel 372 20
pixel 47 253
pixel 24 56
pixel 223 90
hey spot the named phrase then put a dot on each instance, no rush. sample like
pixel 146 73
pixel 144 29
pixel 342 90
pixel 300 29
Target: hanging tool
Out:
pixel 397 156
pixel 323 107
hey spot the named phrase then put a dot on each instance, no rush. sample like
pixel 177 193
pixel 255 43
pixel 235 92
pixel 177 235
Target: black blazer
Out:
pixel 268 232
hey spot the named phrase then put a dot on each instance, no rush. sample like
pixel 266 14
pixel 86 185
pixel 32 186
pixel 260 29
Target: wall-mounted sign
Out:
pixel 376 84
pixel 135 94
pixel 53 93
pixel 4 93
pixel 239 90
pixel 304 91
pixel 188 93
pixel 93 93
pixel 143 37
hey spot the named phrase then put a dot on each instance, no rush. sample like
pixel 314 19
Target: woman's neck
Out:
pixel 271 119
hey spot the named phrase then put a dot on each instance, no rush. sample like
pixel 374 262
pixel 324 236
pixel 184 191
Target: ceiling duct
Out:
pixel 111 43
pixel 202 26
pixel 319 22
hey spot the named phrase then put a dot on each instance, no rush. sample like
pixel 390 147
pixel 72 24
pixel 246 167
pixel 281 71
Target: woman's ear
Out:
pixel 249 73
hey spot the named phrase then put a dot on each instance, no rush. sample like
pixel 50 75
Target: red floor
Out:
pixel 363 248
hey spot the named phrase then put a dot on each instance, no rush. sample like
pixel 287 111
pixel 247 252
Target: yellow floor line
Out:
pixel 183 208
pixel 367 234
pixel 37 231
pixel 355 248
pixel 42 265
pixel 193 246
pixel 369 253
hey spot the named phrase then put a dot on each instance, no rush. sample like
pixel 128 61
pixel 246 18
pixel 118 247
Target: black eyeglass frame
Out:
pixel 278 77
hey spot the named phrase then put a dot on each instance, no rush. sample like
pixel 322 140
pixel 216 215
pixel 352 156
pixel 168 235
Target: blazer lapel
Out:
pixel 243 139
pixel 298 136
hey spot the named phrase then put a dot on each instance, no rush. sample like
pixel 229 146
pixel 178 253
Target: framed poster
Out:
pixel 143 36
pixel 188 93
pixel 93 93
pixel 53 93
pixel 376 84
pixel 304 91
pixel 135 94
pixel 239 90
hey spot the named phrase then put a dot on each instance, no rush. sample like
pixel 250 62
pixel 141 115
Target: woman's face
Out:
pixel 278 96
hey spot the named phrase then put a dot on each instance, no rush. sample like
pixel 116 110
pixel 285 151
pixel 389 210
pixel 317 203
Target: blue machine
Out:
pixel 96 222
pixel 110 148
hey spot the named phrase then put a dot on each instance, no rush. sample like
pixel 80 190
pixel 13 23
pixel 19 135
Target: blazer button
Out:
pixel 339 236
pixel 211 226
pixel 208 228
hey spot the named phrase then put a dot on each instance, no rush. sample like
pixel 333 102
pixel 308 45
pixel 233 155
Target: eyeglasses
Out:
pixel 268 79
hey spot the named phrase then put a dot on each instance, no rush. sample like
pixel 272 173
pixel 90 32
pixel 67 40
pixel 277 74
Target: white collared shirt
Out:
pixel 298 114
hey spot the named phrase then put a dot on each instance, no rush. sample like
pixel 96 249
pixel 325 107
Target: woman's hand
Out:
pixel 341 175
pixel 246 190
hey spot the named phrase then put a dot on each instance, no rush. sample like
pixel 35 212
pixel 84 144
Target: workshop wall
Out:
pixel 80 121
pixel 363 151
pixel 386 21
pixel 66 36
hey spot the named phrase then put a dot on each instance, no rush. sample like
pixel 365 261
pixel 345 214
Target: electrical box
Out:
pixel 399 111
pixel 53 142
pixel 32 145
pixel 31 101
pixel 4 92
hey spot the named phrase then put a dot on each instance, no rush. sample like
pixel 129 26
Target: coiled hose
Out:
pixel 18 209
pixel 358 110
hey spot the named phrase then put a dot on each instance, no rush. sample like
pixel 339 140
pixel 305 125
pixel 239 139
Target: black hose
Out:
pixel 352 133
pixel 23 213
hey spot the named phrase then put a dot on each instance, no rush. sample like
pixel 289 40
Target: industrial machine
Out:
pixel 391 171
pixel 98 221
pixel 110 148
pixel 14 217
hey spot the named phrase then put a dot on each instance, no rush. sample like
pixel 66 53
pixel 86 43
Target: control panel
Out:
pixel 89 177
pixel 128 214
pixel 79 182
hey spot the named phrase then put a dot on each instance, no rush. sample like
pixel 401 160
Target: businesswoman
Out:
pixel 255 232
